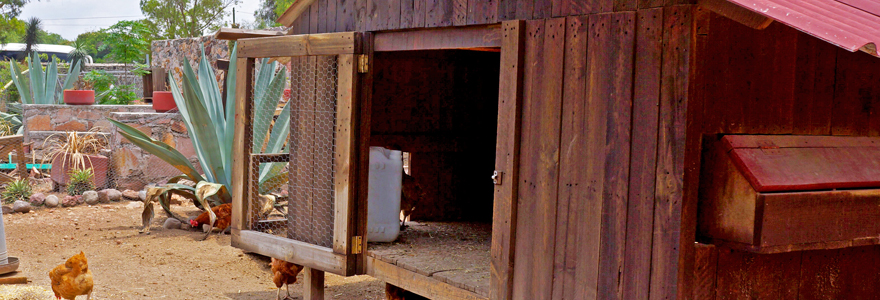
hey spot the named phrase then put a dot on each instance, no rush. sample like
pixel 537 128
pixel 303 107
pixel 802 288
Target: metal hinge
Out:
pixel 363 63
pixel 357 245
pixel 496 177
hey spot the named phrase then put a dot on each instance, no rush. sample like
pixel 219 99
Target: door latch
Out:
pixel 496 177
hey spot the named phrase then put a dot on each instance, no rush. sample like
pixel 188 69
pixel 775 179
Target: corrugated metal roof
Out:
pixel 849 24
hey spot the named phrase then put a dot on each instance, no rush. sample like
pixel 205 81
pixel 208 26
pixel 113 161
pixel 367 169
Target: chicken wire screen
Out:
pixel 304 209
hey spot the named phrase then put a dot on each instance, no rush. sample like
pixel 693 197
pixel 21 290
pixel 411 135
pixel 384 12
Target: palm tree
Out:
pixel 32 35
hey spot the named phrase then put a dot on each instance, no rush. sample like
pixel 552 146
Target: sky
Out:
pixel 69 18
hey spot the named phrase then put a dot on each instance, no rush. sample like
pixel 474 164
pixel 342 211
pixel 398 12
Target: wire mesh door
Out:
pixel 298 202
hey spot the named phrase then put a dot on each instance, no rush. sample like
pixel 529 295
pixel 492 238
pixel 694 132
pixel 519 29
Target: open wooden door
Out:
pixel 315 226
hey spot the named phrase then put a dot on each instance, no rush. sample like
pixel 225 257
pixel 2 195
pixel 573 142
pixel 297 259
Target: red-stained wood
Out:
pixel 572 178
pixel 419 13
pixel 853 211
pixel 617 158
pixel 671 251
pixel 542 9
pixel 439 13
pixel 407 14
pixel 506 10
pixel 736 13
pixel 705 269
pixel 856 95
pixel 482 12
pixel 743 275
pixel 652 3
pixel 459 12
pixel 524 9
pixel 539 160
pixel 814 86
pixel 314 17
pixel 625 5
pixel 507 158
pixel 640 206
pixel 441 38
pixel 850 273
pixel 364 116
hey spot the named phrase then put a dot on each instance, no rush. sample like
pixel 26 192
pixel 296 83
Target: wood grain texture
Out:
pixel 617 159
pixel 301 45
pixel 241 141
pixel 306 254
pixel 459 12
pixel 572 178
pixel 754 276
pixel 415 282
pixel 506 10
pixel 507 158
pixel 407 14
pixel 705 269
pixel 542 9
pixel 439 13
pixel 668 244
pixel 313 284
pixel 814 86
pixel 850 273
pixel 539 159
pixel 441 38
pixel 419 13
pixel 856 95
pixel 524 9
pixel 346 13
pixel 640 207
pixel 482 11
pixel 237 33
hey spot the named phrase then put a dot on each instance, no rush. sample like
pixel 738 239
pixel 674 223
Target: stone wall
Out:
pixel 43 120
pixel 169 54
pixel 133 168
pixel 120 71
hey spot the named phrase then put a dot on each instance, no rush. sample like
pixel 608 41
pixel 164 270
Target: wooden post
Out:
pixel 241 148
pixel 313 284
pixel 158 79
pixel 19 155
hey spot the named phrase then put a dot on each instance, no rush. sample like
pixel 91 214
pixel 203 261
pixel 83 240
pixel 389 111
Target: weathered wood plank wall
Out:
pixel 781 81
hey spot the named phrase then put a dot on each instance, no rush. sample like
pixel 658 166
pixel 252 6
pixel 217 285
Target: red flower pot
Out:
pixel 79 97
pixel 62 165
pixel 163 101
pixel 286 94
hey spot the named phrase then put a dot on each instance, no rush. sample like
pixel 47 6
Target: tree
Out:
pixel 128 41
pixel 32 35
pixel 185 18
pixel 12 8
pixel 270 10
pixel 93 42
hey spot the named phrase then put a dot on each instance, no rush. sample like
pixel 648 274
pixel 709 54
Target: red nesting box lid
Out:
pixel 778 163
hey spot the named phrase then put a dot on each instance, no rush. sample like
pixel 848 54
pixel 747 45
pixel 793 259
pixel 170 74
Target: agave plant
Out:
pixel 211 127
pixel 41 89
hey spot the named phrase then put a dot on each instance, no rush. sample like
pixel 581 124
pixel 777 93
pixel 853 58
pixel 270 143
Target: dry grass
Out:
pixel 24 292
pixel 75 147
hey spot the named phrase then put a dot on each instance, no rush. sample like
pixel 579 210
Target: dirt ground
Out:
pixel 167 264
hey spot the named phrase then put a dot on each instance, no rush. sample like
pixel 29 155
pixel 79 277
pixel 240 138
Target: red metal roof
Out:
pixel 778 163
pixel 849 24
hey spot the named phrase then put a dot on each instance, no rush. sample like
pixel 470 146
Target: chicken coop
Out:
pixel 566 149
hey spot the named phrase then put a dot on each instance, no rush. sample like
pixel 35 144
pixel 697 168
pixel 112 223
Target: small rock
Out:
pixel 172 223
pixel 113 194
pixel 90 197
pixel 7 209
pixel 102 196
pixel 185 226
pixel 142 195
pixel 130 195
pixel 37 199
pixel 51 201
pixel 178 199
pixel 79 199
pixel 21 206
pixel 134 205
pixel 69 201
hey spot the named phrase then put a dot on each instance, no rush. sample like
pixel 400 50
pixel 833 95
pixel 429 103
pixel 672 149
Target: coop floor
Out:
pixel 453 252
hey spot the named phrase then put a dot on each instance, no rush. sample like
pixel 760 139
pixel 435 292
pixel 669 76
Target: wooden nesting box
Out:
pixel 771 194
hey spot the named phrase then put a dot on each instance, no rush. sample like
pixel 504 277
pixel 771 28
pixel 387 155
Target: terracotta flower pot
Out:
pixel 286 94
pixel 99 164
pixel 79 97
pixel 163 101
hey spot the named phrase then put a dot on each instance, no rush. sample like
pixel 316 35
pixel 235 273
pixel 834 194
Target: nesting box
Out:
pixel 771 194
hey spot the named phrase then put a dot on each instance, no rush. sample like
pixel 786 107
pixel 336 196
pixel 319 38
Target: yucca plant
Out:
pixel 80 181
pixel 75 147
pixel 17 190
pixel 41 86
pixel 210 128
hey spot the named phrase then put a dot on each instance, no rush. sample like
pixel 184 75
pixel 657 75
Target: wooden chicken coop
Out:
pixel 711 149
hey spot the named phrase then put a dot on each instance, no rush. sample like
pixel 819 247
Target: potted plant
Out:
pixel 76 151
pixel 83 93
pixel 163 101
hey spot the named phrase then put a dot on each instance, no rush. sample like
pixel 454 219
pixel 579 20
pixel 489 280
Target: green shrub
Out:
pixel 80 181
pixel 122 95
pixel 17 190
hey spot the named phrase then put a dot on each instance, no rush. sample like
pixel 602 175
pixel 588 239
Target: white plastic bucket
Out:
pixel 383 195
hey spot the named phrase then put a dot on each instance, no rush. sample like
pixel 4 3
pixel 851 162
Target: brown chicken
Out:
pixel 224 218
pixel 72 278
pixel 411 193
pixel 284 273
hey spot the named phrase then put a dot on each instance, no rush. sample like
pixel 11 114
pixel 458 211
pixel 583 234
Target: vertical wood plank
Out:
pixel 507 153
pixel 572 178
pixel 540 157
pixel 640 207
pixel 482 11
pixel 625 5
pixel 814 87
pixel 652 3
pixel 242 141
pixel 580 7
pixel 459 12
pixel 315 17
pixel 330 11
pixel 362 21
pixel 506 10
pixel 542 9
pixel 364 98
pixel 705 269
pixel 375 15
pixel 419 13
pixel 617 142
pixel 313 284
pixel 346 155
pixel 322 15
pixel 346 14
pixel 524 9
pixel 667 245
pixel 856 95
pixel 438 13
pixel 589 210
pixel 849 273
pixel 406 14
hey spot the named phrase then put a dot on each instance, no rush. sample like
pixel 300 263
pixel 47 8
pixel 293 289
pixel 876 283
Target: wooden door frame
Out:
pixel 341 258
pixel 507 154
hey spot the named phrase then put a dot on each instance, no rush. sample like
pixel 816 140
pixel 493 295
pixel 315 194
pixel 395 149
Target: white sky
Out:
pixel 69 18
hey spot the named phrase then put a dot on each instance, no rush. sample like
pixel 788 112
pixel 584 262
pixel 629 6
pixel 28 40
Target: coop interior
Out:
pixel 440 108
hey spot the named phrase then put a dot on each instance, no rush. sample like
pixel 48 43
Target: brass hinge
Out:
pixel 363 63
pixel 357 245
